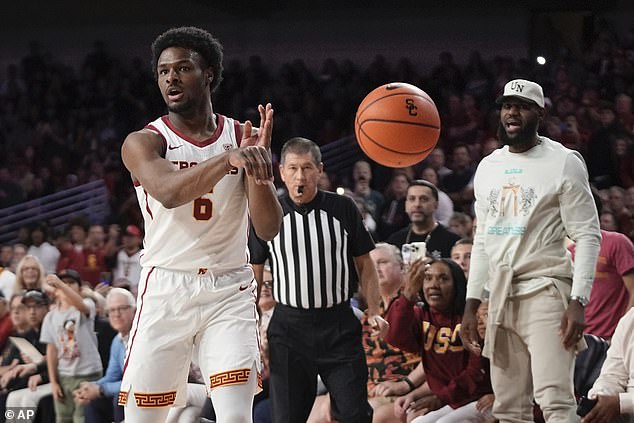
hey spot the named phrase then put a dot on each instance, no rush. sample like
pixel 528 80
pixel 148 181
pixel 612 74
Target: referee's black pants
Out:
pixel 304 343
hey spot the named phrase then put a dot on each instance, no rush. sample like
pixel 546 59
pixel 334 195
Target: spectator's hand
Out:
pixel 26 369
pixel 78 398
pixel 402 404
pixel 54 282
pixel 56 390
pixel 34 381
pixel 8 367
pixel 414 278
pixel 380 326
pixel 390 389
pixel 8 377
pixel 103 288
pixel 26 358
pixel 572 325
pixel 469 330
pixel 606 410
pixel 89 390
pixel 425 404
pixel 485 403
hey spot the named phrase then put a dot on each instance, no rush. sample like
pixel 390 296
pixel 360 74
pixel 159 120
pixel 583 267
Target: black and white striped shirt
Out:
pixel 312 255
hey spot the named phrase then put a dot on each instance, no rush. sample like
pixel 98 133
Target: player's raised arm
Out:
pixel 264 207
pixel 142 155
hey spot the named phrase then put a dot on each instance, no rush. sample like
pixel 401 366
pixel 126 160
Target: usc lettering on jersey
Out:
pixel 210 232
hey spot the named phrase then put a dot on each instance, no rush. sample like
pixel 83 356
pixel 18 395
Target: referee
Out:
pixel 318 259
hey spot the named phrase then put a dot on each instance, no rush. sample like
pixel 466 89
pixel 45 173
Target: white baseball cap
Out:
pixel 522 89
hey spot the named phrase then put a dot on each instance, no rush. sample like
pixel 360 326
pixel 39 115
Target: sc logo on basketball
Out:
pixel 411 107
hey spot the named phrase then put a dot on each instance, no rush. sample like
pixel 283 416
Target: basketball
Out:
pixel 397 125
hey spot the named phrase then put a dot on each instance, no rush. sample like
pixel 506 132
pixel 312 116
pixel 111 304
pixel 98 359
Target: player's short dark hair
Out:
pixel 195 39
pixel 299 145
pixel 424 183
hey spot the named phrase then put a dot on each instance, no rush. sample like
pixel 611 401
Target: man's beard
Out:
pixel 525 136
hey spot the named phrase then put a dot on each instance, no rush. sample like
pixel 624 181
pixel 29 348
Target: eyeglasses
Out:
pixel 118 310
pixel 268 284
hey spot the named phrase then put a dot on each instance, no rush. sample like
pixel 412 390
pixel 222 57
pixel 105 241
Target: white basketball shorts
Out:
pixel 180 315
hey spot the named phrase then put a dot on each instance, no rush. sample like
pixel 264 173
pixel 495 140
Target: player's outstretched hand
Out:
pixel 262 135
pixel 254 154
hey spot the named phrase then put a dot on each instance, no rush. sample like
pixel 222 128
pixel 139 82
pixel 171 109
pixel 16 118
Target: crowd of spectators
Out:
pixel 61 126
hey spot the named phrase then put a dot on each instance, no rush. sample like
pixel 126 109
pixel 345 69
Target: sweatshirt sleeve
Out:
pixel 579 215
pixel 111 382
pixel 405 329
pixel 479 268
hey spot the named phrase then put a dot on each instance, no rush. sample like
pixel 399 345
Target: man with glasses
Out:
pixel 100 397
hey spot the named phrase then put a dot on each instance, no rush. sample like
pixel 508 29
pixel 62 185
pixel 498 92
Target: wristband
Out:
pixel 409 383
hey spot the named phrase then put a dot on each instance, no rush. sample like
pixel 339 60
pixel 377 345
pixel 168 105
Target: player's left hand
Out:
pixel 262 136
pixel 380 326
pixel 254 153
pixel 572 325
pixel 606 410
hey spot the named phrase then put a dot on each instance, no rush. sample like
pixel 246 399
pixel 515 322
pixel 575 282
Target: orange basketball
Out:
pixel 397 125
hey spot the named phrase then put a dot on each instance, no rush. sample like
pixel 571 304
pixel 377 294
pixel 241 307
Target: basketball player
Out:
pixel 530 194
pixel 198 177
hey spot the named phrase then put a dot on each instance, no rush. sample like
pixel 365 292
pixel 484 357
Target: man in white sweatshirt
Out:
pixel 614 388
pixel 530 195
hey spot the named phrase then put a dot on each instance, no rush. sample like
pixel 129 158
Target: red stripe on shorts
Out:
pixel 138 317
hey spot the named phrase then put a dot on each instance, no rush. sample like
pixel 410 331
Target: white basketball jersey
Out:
pixel 210 232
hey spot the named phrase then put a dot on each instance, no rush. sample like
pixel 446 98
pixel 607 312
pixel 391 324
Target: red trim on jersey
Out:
pixel 136 183
pixel 153 129
pixel 249 226
pixel 147 205
pixel 214 137
pixel 138 317
pixel 238 131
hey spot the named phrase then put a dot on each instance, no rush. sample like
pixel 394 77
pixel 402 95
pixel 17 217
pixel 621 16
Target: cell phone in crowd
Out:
pixel 413 251
pixel 105 278
pixel 585 405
